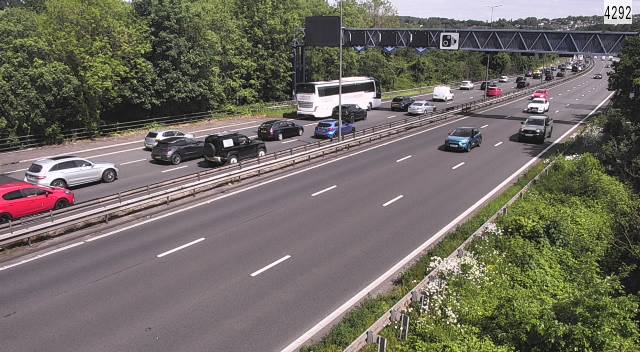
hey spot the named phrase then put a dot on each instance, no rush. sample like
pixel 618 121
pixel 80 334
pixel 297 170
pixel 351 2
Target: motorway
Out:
pixel 137 170
pixel 254 269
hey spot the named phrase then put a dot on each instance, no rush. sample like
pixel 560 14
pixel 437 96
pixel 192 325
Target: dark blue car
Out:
pixel 463 138
pixel 329 128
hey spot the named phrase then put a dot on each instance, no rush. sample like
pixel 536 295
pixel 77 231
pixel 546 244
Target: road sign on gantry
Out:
pixel 449 41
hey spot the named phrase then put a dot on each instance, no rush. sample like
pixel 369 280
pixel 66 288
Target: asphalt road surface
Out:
pixel 138 170
pixel 255 269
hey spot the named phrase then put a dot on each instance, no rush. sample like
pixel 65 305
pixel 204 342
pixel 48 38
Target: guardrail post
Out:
pixel 200 175
pixel 51 215
pixel 147 189
pixel 290 151
pixel 119 197
pixel 371 337
pixel 11 226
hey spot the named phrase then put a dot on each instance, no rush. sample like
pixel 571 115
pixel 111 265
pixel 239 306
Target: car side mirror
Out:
pixel 522 122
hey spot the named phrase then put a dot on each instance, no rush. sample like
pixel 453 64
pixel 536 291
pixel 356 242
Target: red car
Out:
pixel 541 93
pixel 20 199
pixel 494 92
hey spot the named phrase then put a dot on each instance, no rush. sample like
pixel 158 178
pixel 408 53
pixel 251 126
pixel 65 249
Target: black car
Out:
pixel 176 149
pixel 521 82
pixel 231 148
pixel 279 129
pixel 350 112
pixel 561 73
pixel 483 85
pixel 401 103
pixel 529 73
pixel 548 77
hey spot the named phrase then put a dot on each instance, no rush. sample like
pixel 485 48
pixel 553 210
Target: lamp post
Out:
pixel 486 86
pixel 340 82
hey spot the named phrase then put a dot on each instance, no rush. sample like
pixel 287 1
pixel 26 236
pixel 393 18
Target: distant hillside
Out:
pixel 585 23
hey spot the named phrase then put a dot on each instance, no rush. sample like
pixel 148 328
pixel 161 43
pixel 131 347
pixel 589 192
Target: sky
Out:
pixel 510 9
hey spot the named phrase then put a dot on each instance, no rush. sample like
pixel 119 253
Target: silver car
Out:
pixel 154 137
pixel 420 107
pixel 66 171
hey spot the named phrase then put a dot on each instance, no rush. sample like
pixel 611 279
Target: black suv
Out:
pixel 548 77
pixel 231 148
pixel 521 82
pixel 401 103
pixel 177 149
pixel 350 112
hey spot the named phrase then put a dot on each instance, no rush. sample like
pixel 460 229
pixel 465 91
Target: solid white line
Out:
pixel 179 248
pixel 324 190
pixel 258 272
pixel 497 144
pixel 506 117
pixel 483 126
pixel 457 166
pixel 309 124
pixel 175 168
pixel 131 162
pixel 118 152
pixel 403 159
pixel 10 172
pixel 290 141
pixel 40 256
pixel 295 344
pixel 320 325
pixel 393 200
pixel 390 117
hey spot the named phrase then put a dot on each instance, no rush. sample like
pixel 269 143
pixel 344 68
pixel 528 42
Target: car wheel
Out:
pixel 5 218
pixel 109 176
pixel 176 159
pixel 59 183
pixel 280 136
pixel 233 159
pixel 300 131
pixel 61 203
pixel 262 153
pixel 468 149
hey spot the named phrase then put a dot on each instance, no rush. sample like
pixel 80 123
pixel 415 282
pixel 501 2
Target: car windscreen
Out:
pixel 35 168
pixel 325 124
pixel 535 122
pixel 538 101
pixel 540 91
pixel 397 99
pixel 306 88
pixel 152 135
pixel 173 141
pixel 462 132
pixel 417 104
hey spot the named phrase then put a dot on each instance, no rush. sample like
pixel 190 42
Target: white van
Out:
pixel 443 93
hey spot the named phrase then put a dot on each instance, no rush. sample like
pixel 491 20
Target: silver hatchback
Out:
pixel 66 171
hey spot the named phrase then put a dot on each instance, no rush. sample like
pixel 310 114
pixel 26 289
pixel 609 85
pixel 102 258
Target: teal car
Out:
pixel 463 139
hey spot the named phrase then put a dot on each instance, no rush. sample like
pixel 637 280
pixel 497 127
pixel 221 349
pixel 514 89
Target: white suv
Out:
pixel 65 171
pixel 153 138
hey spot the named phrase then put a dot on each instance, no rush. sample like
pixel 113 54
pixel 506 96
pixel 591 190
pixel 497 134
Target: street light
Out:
pixel 340 82
pixel 486 86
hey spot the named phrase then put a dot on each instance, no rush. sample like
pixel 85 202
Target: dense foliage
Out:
pixel 76 63
pixel 548 279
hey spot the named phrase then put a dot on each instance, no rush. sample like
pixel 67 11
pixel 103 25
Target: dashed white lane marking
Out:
pixel 403 159
pixel 508 116
pixel 484 126
pixel 324 190
pixel 291 141
pixel 175 168
pixel 390 117
pixel 253 137
pixel 551 98
pixel 557 111
pixel 497 144
pixel 179 248
pixel 132 162
pixel 393 200
pixel 258 272
pixel 457 166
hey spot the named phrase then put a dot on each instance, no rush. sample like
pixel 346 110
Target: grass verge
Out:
pixel 367 312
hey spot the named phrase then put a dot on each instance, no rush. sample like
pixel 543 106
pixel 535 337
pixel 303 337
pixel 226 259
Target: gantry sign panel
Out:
pixel 497 40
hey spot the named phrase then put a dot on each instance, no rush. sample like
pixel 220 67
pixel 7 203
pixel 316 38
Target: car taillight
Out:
pixel 331 129
pixel 40 177
pixel 271 130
